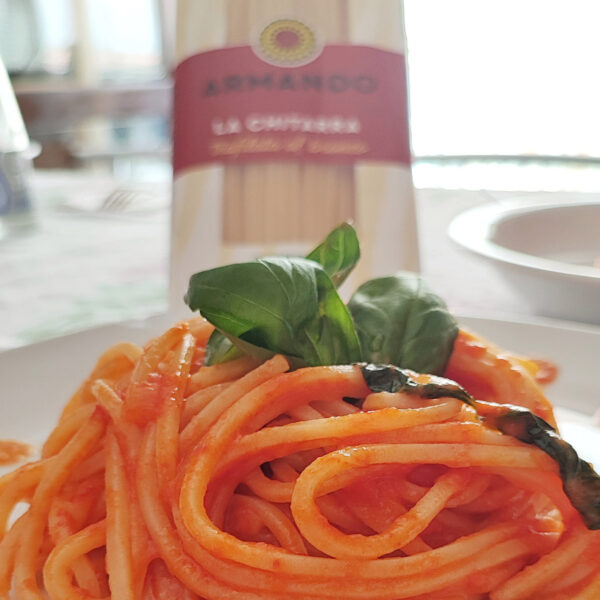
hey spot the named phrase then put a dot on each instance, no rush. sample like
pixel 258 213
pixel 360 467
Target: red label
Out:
pixel 348 104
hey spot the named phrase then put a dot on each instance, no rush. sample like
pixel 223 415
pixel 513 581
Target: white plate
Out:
pixel 549 253
pixel 37 380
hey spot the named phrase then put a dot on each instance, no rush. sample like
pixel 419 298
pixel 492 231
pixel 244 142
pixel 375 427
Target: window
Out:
pixel 504 77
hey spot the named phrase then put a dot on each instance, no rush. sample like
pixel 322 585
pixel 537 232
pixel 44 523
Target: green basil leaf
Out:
pixel 282 305
pixel 220 349
pixel 338 253
pixel 400 321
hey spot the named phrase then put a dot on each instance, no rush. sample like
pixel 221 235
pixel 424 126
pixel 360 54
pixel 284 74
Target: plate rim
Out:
pixel 472 228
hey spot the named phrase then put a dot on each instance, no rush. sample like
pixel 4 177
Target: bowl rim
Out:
pixel 473 229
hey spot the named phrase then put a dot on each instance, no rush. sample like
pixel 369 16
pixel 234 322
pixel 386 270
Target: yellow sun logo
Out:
pixel 287 42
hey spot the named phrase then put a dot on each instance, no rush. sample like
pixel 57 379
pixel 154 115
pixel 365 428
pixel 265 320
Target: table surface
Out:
pixel 77 266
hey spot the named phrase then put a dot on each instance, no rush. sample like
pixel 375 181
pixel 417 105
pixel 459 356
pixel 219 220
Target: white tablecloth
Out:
pixel 75 267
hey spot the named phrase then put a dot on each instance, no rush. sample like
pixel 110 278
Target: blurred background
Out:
pixel 503 95
pixel 92 80
pixel 490 80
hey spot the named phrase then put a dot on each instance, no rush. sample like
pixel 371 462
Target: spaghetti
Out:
pixel 13 451
pixel 318 196
pixel 168 479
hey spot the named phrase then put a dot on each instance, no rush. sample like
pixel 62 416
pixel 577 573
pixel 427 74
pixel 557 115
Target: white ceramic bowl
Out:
pixel 549 253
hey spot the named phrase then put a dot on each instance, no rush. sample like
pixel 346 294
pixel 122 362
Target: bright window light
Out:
pixel 504 77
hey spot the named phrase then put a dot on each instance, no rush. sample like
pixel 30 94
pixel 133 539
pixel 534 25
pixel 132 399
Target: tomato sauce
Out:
pixel 12 451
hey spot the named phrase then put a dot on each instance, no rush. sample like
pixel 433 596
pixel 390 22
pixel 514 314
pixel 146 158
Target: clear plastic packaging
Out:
pixel 290 117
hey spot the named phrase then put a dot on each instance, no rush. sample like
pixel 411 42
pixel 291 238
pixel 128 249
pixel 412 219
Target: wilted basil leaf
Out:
pixel 389 378
pixel 580 482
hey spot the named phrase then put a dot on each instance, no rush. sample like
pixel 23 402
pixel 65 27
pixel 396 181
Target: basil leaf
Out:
pixel 400 321
pixel 338 253
pixel 282 305
pixel 220 349
pixel 388 378
pixel 580 482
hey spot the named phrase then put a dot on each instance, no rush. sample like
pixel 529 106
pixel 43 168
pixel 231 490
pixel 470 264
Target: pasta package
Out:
pixel 290 116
